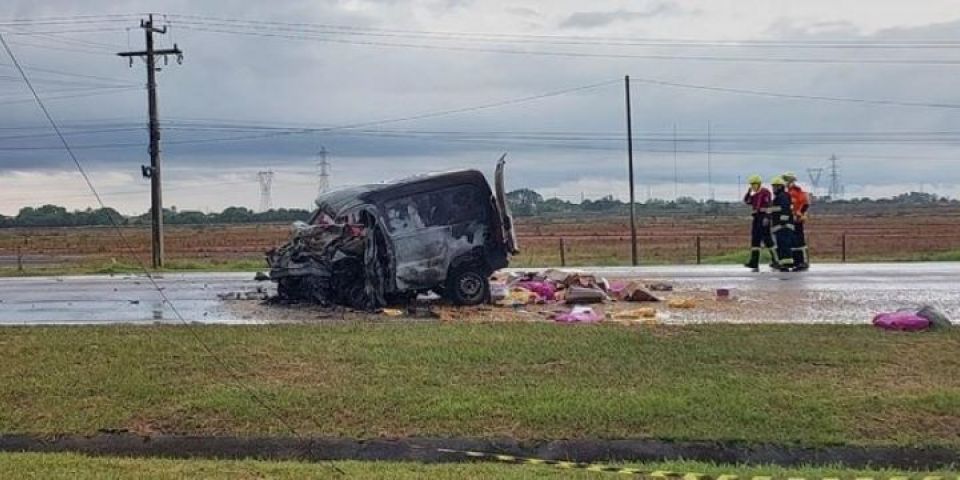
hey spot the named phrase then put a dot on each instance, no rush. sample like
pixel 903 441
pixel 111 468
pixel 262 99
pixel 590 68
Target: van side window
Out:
pixel 461 204
pixel 449 206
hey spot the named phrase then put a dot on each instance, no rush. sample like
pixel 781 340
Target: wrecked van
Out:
pixel 371 245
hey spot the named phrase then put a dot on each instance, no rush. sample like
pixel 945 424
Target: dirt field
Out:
pixel 598 241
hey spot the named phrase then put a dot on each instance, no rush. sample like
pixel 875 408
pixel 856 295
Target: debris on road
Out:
pixel 685 302
pixel 936 317
pixel 660 287
pixel 578 295
pixel 577 314
pixel 258 294
pixel 644 313
pixel 636 292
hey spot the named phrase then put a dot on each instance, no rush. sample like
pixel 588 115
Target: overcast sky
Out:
pixel 264 84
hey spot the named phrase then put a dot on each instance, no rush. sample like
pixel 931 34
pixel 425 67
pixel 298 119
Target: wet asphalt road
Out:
pixel 850 293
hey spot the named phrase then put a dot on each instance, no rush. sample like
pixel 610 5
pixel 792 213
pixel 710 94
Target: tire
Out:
pixel 468 285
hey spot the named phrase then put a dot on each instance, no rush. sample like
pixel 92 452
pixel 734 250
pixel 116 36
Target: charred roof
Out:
pixel 339 200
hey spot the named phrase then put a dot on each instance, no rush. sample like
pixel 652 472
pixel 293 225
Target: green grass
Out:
pixel 107 267
pixel 72 466
pixel 783 384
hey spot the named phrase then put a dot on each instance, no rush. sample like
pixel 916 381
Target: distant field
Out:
pixel 592 241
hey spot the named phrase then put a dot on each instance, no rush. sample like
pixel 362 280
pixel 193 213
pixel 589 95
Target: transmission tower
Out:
pixel 266 187
pixel 815 175
pixel 323 170
pixel 836 188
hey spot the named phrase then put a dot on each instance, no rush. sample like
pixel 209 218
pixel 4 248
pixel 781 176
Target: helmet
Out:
pixel 778 180
pixel 790 176
pixel 754 179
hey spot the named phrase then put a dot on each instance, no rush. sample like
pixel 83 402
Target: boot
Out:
pixel 754 262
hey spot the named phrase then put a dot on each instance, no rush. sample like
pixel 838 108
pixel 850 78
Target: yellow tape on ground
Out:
pixel 656 475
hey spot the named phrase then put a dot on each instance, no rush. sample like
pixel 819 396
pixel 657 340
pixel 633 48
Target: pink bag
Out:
pixel 578 314
pixel 545 290
pixel 904 321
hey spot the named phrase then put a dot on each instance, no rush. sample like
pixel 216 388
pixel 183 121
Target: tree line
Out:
pixel 523 202
pixel 57 216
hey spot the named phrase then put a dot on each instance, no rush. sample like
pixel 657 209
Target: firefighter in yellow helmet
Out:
pixel 799 203
pixel 782 227
pixel 758 197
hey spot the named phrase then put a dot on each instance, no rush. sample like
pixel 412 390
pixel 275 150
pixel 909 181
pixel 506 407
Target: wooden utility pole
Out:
pixel 153 171
pixel 633 216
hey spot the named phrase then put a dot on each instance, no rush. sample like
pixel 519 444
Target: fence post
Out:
pixel 843 248
pixel 563 255
pixel 698 249
pixel 19 259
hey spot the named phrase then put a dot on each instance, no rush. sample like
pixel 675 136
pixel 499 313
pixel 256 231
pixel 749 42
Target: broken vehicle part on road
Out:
pixel 369 245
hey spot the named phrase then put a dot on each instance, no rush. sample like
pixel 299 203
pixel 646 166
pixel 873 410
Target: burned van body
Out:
pixel 370 245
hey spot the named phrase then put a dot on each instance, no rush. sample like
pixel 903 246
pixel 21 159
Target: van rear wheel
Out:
pixel 468 285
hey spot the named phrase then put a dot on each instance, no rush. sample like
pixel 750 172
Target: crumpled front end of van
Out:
pixel 328 264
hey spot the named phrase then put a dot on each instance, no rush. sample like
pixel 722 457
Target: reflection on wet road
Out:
pixel 120 298
pixel 850 293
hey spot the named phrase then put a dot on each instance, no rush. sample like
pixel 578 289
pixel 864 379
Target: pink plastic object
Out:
pixel 578 314
pixel 544 290
pixel 904 321
pixel 617 287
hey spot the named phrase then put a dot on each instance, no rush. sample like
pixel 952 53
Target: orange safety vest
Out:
pixel 799 201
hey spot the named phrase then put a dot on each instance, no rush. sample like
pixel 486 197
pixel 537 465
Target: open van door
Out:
pixel 506 218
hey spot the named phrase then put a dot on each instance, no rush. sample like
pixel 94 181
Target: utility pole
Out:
pixel 710 163
pixel 633 217
pixel 153 171
pixel 676 171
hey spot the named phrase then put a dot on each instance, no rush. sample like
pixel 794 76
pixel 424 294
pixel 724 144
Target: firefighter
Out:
pixel 759 199
pixel 781 225
pixel 800 203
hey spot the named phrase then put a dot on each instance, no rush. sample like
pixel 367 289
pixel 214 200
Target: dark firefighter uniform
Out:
pixel 800 203
pixel 759 201
pixel 782 226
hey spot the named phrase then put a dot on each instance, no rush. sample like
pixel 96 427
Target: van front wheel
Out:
pixel 467 285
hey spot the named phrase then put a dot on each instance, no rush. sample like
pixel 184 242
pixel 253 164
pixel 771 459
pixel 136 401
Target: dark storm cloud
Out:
pixel 276 82
pixel 596 19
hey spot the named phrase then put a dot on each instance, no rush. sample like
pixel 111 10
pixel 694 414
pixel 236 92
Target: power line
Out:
pixel 435 114
pixel 109 90
pixel 508 51
pixel 52 71
pixel 558 39
pixel 798 96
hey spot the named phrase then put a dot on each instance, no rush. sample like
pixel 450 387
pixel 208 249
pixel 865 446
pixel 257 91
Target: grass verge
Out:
pixel 784 384
pixel 72 466
pixel 107 267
